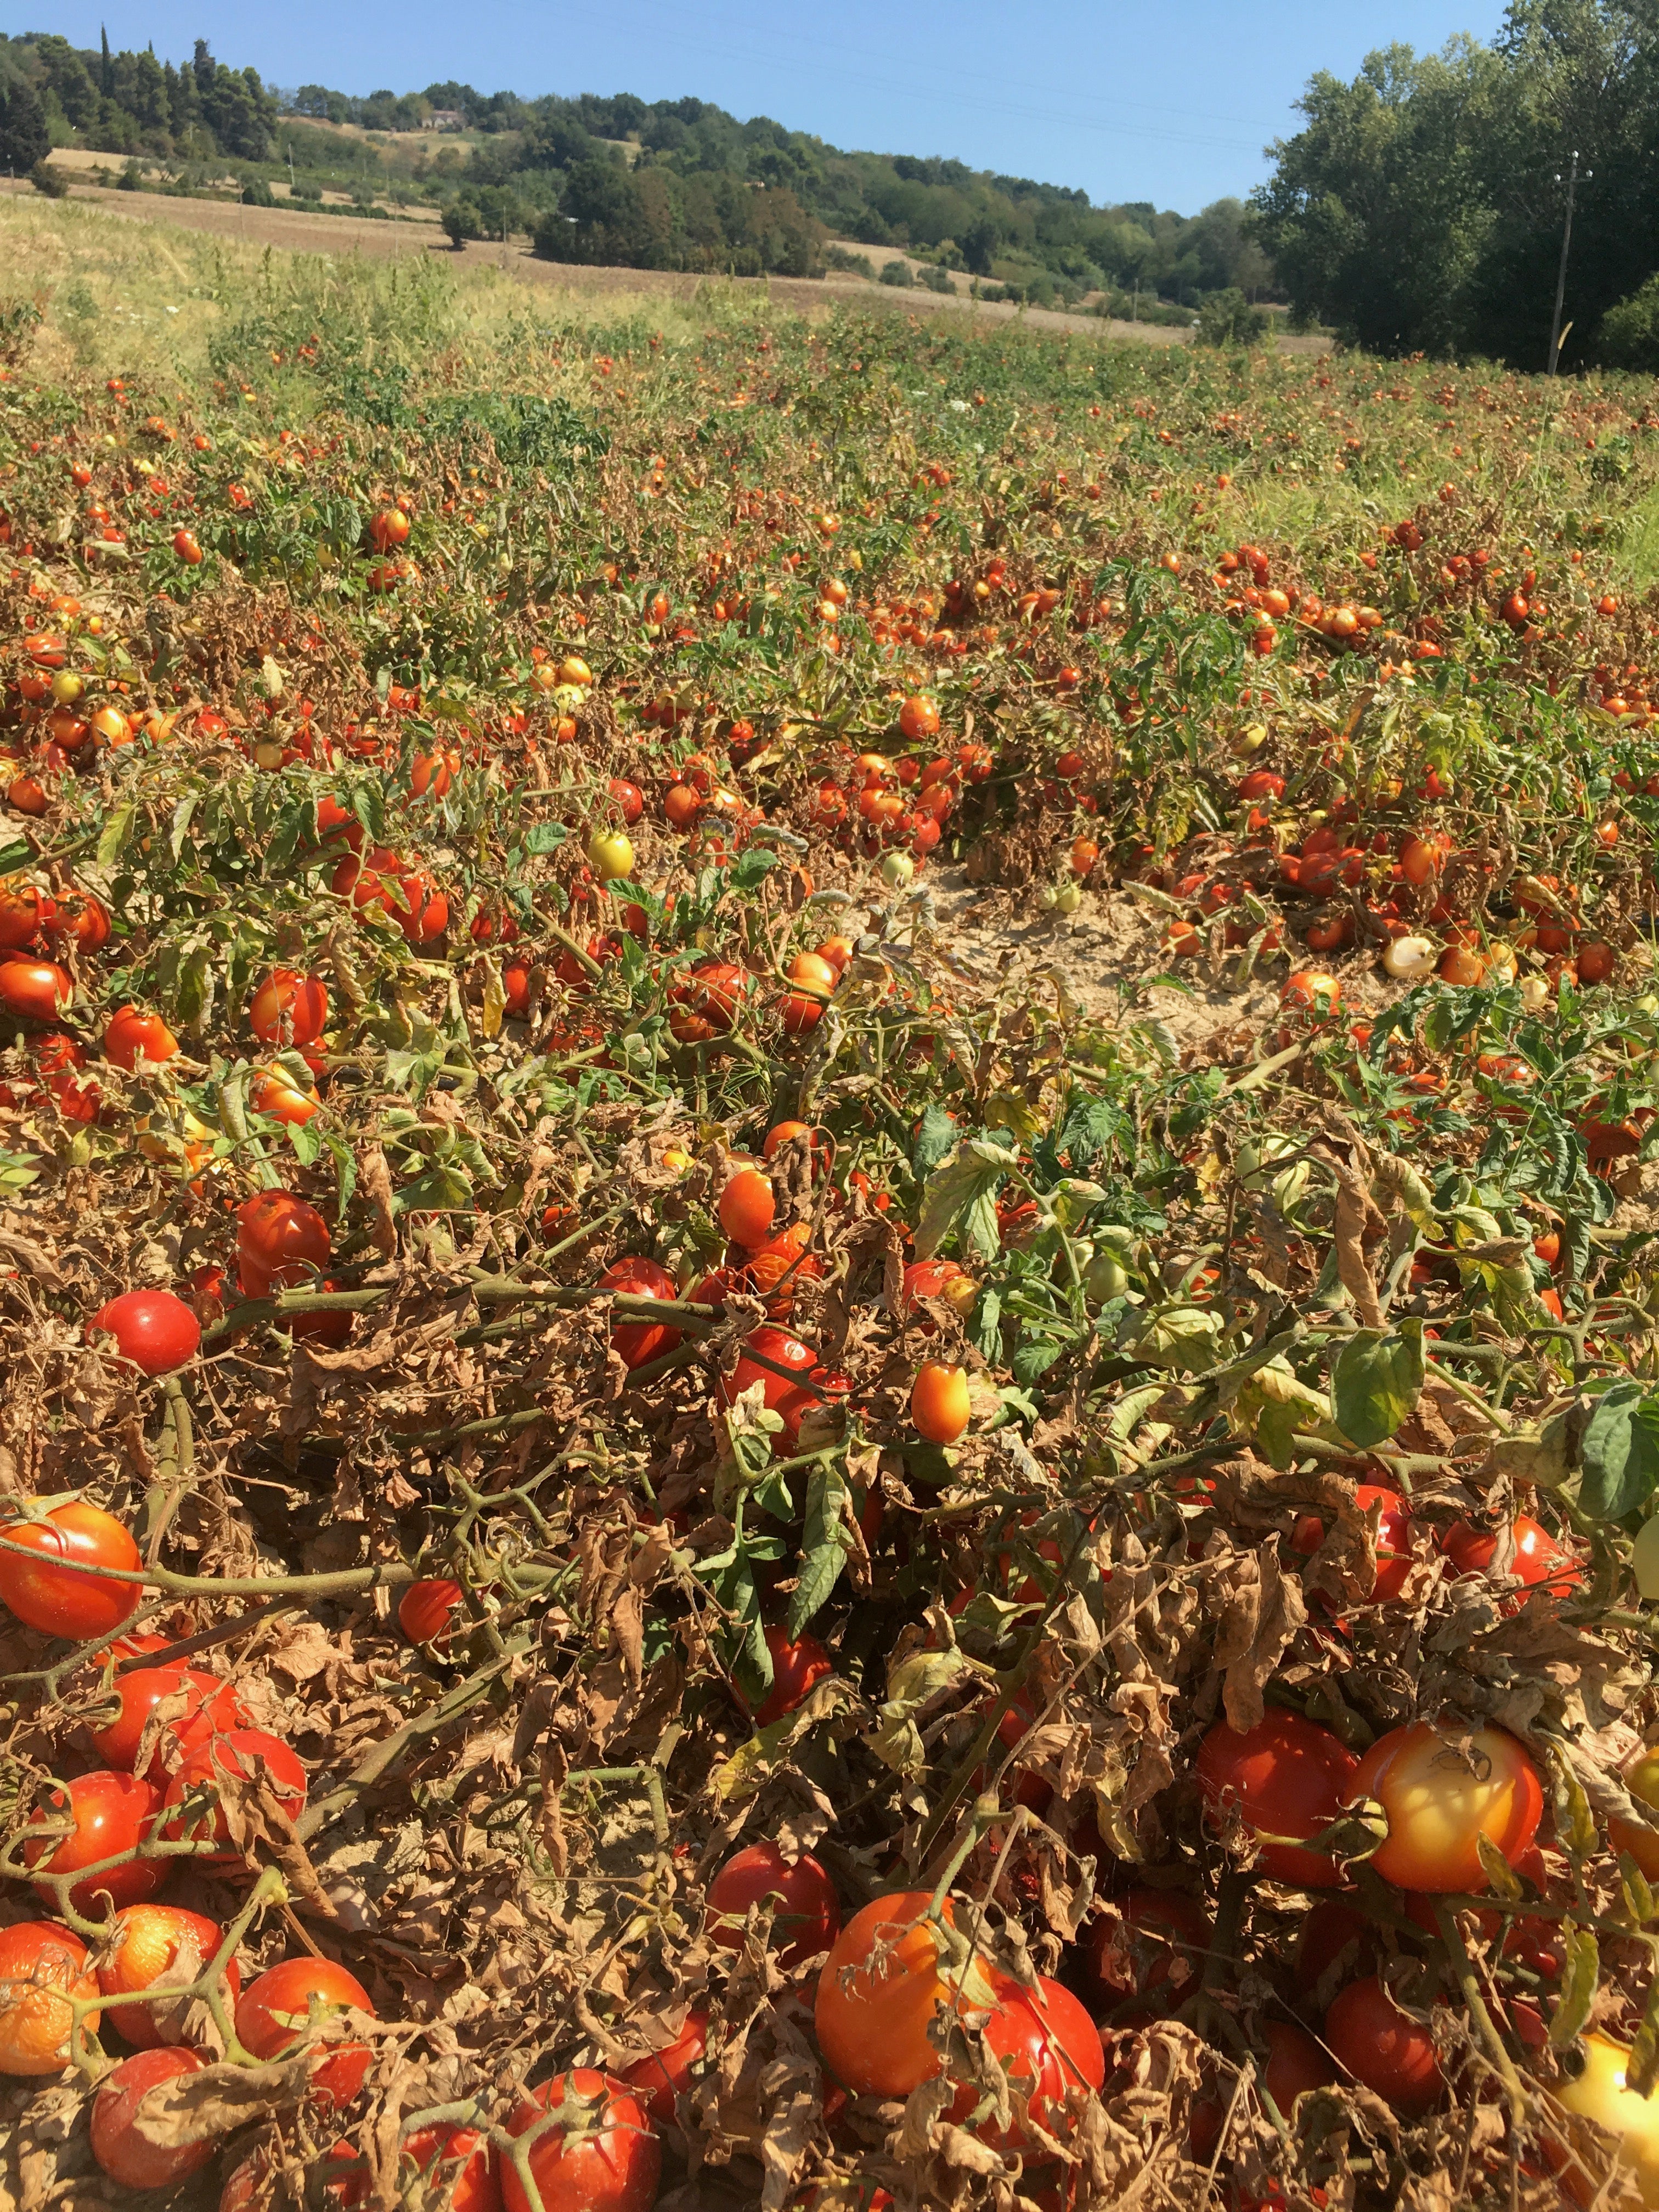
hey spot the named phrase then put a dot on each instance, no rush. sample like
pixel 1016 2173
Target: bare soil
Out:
pixel 313 233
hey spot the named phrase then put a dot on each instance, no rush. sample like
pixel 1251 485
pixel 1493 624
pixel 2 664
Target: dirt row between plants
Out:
pixel 336 234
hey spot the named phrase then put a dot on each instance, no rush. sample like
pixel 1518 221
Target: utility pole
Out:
pixel 1561 271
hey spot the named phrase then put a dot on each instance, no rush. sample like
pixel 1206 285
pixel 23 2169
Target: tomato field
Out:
pixel 827 1280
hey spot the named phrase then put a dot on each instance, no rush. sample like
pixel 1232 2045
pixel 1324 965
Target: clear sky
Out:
pixel 1172 104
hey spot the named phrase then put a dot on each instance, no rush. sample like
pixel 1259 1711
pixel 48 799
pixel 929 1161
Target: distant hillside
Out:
pixel 669 184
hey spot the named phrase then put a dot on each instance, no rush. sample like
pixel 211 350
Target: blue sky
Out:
pixel 1128 101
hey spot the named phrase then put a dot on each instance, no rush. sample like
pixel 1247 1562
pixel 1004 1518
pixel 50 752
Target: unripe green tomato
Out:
pixel 1068 897
pixel 1048 898
pixel 1644 1560
pixel 569 698
pixel 67 687
pixel 1106 1278
pixel 898 869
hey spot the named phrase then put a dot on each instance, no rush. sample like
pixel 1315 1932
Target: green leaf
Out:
pixel 442 1189
pixel 1034 1356
pixel 115 835
pixel 751 869
pixel 824 1545
pixel 1619 1452
pixel 934 1138
pixel 961 1196
pixel 1376 1381
pixel 17 855
pixel 1580 1976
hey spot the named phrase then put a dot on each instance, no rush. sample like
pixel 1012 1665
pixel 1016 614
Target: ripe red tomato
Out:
pixel 1540 1562
pixel 283 2007
pixel 630 799
pixel 600 2155
pixel 706 1001
pixel 1315 992
pixel 426 1610
pixel 289 1008
pixel 281 1243
pixel 919 717
pixel 274 1091
pixel 658 2081
pixel 882 1984
pixel 1051 2052
pixel 1295 2064
pixel 782 1395
pixel 783 1133
pixel 797 1669
pixel 1155 1948
pixel 1367 2033
pixel 132 1034
pixel 935 1278
pixel 35 990
pixel 185 547
pixel 237 1755
pixel 25 913
pixel 41 1966
pixel 154 1330
pixel 940 1409
pixel 746 1207
pixel 107 1813
pixel 1393 1534
pixel 51 1591
pixel 1286 1777
pixel 1443 1790
pixel 198 1705
pixel 635 1343
pixel 435 2154
pixel 807 1915
pixel 158 1947
pixel 132 2159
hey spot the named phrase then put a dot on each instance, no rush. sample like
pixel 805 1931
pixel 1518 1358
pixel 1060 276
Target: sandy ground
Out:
pixel 317 233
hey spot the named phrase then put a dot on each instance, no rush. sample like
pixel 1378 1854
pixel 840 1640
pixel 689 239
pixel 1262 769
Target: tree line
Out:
pixel 1422 207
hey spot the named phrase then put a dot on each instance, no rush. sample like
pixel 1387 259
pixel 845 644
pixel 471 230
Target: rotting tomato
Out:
pixel 1441 1791
pixel 1286 1778
pixel 154 1949
pixel 42 1966
pixel 136 2160
pixel 55 1590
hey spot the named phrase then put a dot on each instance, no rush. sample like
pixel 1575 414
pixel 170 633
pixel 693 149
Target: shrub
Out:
pixel 52 182
pixel 937 279
pixel 852 264
pixel 255 193
pixel 1227 319
pixel 1629 335
pixel 897 272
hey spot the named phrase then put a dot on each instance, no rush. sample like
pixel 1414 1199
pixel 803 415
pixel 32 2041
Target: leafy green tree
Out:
pixel 1227 319
pixel 24 137
pixel 898 273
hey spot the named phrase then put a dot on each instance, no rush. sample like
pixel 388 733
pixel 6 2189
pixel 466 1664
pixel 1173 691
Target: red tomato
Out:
pixel 283 2007
pixel 1295 2065
pixel 25 912
pixel 1540 1562
pixel 237 1755
pixel 635 1343
pixel 1442 1790
pixel 1157 1943
pixel 1394 1532
pixel 275 1092
pixel 807 1912
pixel 41 1966
pixel 935 1278
pixel 195 1704
pixel 746 1207
pixel 797 1669
pixel 132 1036
pixel 35 990
pixel 1051 2052
pixel 432 2154
pixel 158 1947
pixel 1368 2035
pixel 882 1984
pixel 424 1611
pixel 107 1813
pixel 919 717
pixel 600 2154
pixel 782 1395
pixel 154 1330
pixel 660 2080
pixel 289 1008
pixel 282 1243
pixel 630 799
pixel 50 1591
pixel 1286 1777
pixel 132 2159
